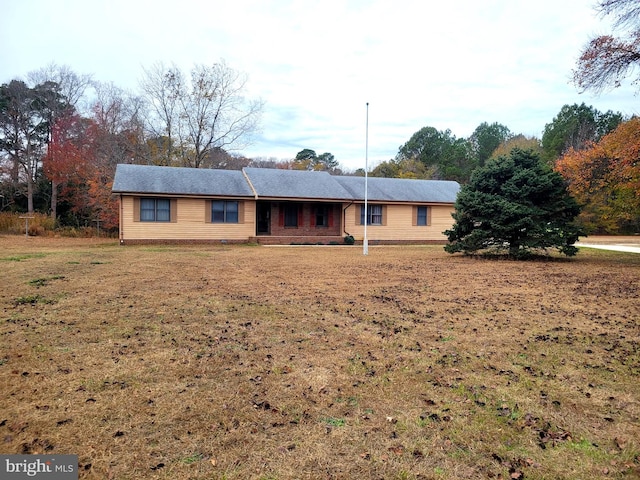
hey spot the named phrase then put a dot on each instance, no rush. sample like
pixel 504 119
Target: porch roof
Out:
pixel 279 183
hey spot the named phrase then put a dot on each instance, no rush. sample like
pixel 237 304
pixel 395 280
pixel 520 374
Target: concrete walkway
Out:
pixel 617 248
pixel 619 244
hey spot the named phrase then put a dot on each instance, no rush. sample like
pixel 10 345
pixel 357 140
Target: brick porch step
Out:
pixel 297 240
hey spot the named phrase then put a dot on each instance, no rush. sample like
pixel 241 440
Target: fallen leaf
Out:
pixel 397 449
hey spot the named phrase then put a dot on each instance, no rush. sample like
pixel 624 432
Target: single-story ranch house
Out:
pixel 273 206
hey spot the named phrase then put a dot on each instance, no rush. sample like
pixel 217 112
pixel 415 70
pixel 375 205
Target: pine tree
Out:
pixel 514 204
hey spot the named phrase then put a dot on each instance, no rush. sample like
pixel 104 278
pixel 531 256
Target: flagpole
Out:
pixel 365 241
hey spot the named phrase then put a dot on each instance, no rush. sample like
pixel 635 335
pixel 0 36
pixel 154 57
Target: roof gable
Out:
pixel 273 182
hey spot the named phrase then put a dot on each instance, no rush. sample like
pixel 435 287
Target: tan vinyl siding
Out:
pixel 400 224
pixel 189 224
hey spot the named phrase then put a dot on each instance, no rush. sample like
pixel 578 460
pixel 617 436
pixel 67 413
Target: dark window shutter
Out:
pixel 173 206
pixel 207 211
pixel 136 209
pixel 240 212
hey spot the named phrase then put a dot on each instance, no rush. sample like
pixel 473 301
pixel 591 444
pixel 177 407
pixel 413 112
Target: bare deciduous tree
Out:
pixel 117 115
pixel 71 86
pixel 161 87
pixel 197 116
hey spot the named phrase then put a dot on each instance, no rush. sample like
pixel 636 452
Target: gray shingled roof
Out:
pixel 180 181
pixel 271 182
pixel 401 189
pixel 277 183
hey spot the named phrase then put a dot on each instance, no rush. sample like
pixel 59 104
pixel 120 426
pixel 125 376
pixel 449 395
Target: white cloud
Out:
pixel 316 64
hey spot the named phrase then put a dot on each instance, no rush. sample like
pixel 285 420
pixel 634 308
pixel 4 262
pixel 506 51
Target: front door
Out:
pixel 263 218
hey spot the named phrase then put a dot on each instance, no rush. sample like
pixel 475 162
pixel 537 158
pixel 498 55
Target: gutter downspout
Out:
pixel 344 218
pixel 121 226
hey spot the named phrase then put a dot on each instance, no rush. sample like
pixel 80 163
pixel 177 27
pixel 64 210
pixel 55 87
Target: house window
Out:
pixel 291 215
pixel 155 210
pixel 374 215
pixel 322 216
pixel 422 216
pixel 224 211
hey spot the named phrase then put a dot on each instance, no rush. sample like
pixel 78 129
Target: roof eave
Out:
pixel 303 199
pixel 186 195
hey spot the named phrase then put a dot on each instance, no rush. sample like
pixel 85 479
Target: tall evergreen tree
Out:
pixel 450 158
pixel 576 126
pixel 486 138
pixel 515 204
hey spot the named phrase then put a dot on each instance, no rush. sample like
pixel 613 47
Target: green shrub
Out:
pixel 349 240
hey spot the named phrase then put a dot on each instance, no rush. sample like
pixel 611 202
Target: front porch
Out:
pixel 293 222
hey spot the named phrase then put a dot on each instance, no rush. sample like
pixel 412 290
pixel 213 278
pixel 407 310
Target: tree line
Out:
pixel 59 145
pixel 596 152
pixel 62 134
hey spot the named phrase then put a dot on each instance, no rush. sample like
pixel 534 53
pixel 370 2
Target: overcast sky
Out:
pixel 449 64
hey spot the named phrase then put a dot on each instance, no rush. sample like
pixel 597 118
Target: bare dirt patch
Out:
pixel 239 362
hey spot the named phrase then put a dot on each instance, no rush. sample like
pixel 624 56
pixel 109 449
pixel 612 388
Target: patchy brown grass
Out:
pixel 238 362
